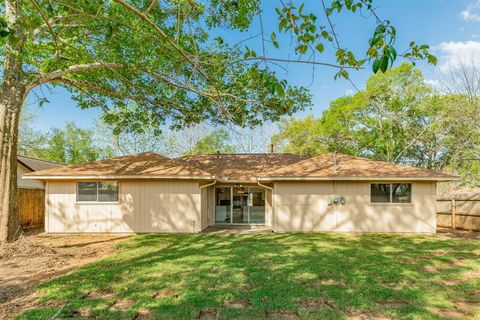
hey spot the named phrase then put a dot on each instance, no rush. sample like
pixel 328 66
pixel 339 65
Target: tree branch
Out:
pixel 110 92
pixel 73 69
pixel 150 7
pixel 298 61
pixel 163 35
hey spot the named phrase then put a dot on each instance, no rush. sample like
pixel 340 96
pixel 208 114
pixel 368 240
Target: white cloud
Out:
pixel 452 54
pixel 349 92
pixel 434 83
pixel 472 13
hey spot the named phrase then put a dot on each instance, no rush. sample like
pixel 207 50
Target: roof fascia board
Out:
pixel 355 178
pixel 116 177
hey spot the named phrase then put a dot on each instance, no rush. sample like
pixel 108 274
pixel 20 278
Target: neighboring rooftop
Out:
pixel 140 165
pixel 35 164
pixel 241 167
pixel 331 165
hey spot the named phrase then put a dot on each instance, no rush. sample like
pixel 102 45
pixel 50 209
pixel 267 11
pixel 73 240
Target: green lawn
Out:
pixel 284 276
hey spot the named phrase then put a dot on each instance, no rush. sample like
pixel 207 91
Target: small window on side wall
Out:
pixel 102 191
pixel 391 192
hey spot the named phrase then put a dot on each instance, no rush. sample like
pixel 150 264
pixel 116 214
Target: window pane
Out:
pixel 108 191
pixel 380 193
pixel 402 193
pixel 222 205
pixel 87 191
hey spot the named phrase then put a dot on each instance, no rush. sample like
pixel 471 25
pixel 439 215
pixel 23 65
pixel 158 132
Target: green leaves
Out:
pixel 5 31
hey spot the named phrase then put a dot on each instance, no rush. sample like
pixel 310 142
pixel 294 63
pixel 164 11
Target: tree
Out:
pixel 300 136
pixel 30 140
pixel 216 141
pixel 71 145
pixel 159 54
pixel 396 118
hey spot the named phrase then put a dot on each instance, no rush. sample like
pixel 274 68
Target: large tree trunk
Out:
pixel 10 107
pixel 12 96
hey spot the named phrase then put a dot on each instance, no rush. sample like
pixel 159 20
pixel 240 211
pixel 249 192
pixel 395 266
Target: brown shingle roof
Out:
pixel 147 164
pixel 35 164
pixel 332 165
pixel 240 167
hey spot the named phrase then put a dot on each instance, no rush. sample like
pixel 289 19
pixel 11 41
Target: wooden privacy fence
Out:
pixel 31 207
pixel 459 211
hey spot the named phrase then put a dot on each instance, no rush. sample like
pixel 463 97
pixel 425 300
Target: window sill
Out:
pixel 96 202
pixel 409 204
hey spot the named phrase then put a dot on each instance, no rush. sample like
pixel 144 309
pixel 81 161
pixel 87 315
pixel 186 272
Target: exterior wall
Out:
pixel 143 206
pixel 303 206
pixel 24 183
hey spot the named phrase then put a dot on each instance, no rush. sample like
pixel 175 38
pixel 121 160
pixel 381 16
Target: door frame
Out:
pixel 231 205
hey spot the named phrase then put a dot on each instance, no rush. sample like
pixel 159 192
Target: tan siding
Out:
pixel 204 205
pixel 153 206
pixel 268 207
pixel 304 207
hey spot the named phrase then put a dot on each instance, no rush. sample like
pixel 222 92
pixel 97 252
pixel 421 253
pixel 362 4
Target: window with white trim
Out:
pixel 391 192
pixel 101 191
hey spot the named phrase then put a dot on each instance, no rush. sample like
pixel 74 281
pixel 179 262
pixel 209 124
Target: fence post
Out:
pixel 454 211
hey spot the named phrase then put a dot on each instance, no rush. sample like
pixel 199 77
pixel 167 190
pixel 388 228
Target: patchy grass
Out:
pixel 277 276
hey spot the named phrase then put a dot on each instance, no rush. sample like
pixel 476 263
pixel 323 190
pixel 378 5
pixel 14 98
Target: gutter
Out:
pixel 209 184
pixel 115 177
pixel 356 178
pixel 264 186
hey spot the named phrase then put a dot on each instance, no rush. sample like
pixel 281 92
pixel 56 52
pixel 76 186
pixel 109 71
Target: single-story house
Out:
pixel 29 164
pixel 150 193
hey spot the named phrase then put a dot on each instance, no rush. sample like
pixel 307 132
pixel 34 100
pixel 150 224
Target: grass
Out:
pixel 285 276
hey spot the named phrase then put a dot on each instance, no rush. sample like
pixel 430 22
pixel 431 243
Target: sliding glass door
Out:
pixel 239 205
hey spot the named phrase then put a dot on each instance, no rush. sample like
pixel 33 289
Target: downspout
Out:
pixel 264 186
pixel 201 187
pixel 209 185
pixel 273 204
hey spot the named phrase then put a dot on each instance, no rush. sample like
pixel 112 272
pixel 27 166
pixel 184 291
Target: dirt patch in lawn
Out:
pixel 100 295
pixel 165 294
pixel 282 315
pixel 364 315
pixel 451 313
pixel 80 313
pixel 143 315
pixel 37 258
pixel 207 314
pixel 315 303
pixel 121 305
pixel 235 304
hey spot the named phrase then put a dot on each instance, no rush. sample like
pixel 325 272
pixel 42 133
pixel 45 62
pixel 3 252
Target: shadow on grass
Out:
pixel 308 276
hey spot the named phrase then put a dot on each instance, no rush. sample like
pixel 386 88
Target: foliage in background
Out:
pixel 216 141
pixel 399 118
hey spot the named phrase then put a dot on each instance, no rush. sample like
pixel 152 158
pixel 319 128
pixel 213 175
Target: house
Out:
pixel 29 164
pixel 151 193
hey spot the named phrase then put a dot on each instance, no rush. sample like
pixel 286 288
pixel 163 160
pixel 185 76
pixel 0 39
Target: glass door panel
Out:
pixel 223 197
pixel 240 205
pixel 256 203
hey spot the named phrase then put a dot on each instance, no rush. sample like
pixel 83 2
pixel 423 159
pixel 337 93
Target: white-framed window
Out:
pixel 97 191
pixel 391 193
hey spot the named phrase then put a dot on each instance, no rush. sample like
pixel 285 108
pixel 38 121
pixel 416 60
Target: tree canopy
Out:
pixel 398 117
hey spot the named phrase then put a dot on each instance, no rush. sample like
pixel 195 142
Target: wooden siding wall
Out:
pixel 143 206
pixel 31 207
pixel 304 206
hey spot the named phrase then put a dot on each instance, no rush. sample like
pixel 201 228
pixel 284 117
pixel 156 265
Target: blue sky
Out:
pixel 451 27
